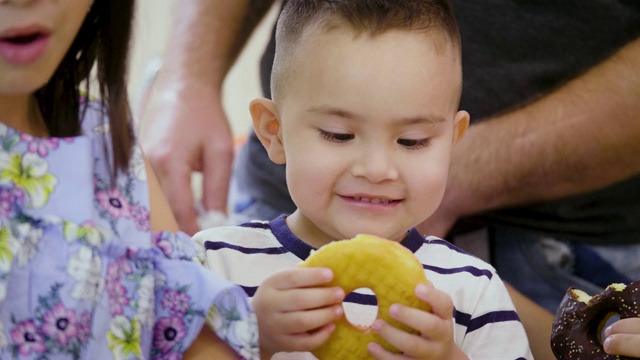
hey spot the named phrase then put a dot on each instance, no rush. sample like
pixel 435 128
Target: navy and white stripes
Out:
pixel 485 323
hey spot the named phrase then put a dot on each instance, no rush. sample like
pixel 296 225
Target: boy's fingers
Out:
pixel 441 304
pixel 311 298
pixel 301 278
pixel 380 353
pixel 623 344
pixel 409 344
pixel 427 324
pixel 310 341
pixel 309 321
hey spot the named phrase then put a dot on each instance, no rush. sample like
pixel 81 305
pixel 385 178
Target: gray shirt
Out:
pixel 514 52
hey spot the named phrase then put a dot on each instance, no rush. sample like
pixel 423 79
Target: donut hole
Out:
pixel 358 318
pixel 606 320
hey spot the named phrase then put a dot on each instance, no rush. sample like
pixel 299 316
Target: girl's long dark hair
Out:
pixel 103 41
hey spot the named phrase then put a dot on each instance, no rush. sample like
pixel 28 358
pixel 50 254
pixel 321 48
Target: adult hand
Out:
pixel 185 130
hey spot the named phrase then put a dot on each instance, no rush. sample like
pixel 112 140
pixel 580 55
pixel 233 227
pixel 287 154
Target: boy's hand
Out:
pixel 435 338
pixel 623 338
pixel 294 314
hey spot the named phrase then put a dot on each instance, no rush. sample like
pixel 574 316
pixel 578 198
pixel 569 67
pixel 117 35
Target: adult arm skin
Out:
pixel 582 137
pixel 184 128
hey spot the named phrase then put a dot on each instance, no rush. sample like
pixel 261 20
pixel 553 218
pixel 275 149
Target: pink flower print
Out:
pixel 118 268
pixel 141 217
pixel 9 197
pixel 117 298
pixel 60 323
pixel 26 338
pixel 176 301
pixel 7 201
pixel 114 202
pixel 162 243
pixel 41 146
pixel 84 327
pixel 168 332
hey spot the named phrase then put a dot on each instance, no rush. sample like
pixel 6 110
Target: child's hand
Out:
pixel 293 313
pixel 435 339
pixel 623 338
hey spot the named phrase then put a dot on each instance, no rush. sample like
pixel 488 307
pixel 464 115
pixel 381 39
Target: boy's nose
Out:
pixel 376 164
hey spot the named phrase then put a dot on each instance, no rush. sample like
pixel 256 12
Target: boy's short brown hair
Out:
pixel 363 17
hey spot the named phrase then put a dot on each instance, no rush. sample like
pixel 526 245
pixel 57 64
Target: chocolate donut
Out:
pixel 580 318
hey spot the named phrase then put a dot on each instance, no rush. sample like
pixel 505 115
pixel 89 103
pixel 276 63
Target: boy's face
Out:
pixel 367 125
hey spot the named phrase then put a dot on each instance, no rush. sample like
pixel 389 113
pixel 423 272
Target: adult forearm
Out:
pixel 207 37
pixel 582 137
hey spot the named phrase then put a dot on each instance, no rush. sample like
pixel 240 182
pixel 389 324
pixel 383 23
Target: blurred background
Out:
pixel 152 29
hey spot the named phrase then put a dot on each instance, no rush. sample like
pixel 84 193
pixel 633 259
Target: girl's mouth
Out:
pixel 23 39
pixel 23 47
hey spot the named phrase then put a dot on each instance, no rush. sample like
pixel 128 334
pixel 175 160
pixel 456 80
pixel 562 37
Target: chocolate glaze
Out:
pixel 575 327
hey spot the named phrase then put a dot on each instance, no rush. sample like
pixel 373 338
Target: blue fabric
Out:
pixel 543 269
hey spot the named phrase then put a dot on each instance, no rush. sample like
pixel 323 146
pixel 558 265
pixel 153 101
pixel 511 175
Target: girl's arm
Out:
pixel 160 214
pixel 207 345
pixel 537 323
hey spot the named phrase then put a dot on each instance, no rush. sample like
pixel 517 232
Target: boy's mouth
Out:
pixel 373 200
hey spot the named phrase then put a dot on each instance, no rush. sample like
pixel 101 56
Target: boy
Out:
pixel 364 114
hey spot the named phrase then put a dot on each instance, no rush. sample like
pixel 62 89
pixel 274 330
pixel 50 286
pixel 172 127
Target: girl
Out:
pixel 85 270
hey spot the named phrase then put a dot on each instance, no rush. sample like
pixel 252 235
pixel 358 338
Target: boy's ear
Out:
pixel 266 124
pixel 460 126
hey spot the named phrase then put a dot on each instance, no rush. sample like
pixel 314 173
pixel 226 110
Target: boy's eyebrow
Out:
pixel 332 111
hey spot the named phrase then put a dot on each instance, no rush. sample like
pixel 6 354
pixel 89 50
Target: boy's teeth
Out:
pixel 373 201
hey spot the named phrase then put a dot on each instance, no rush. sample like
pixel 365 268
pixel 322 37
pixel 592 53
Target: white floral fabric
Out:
pixel 81 274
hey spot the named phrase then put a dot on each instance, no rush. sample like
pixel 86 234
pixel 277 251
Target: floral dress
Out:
pixel 81 274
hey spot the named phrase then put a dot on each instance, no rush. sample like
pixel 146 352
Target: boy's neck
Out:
pixel 306 231
pixel 22 113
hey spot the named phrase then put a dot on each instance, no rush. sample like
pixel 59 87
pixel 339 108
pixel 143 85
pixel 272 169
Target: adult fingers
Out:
pixel 217 164
pixel 623 344
pixel 175 180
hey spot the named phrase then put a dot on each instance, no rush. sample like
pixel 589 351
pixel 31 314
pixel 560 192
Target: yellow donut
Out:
pixel 367 261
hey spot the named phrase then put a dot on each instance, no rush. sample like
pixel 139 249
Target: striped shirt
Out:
pixel 486 325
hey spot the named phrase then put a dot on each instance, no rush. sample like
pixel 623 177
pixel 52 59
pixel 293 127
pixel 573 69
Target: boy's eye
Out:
pixel 337 137
pixel 414 143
